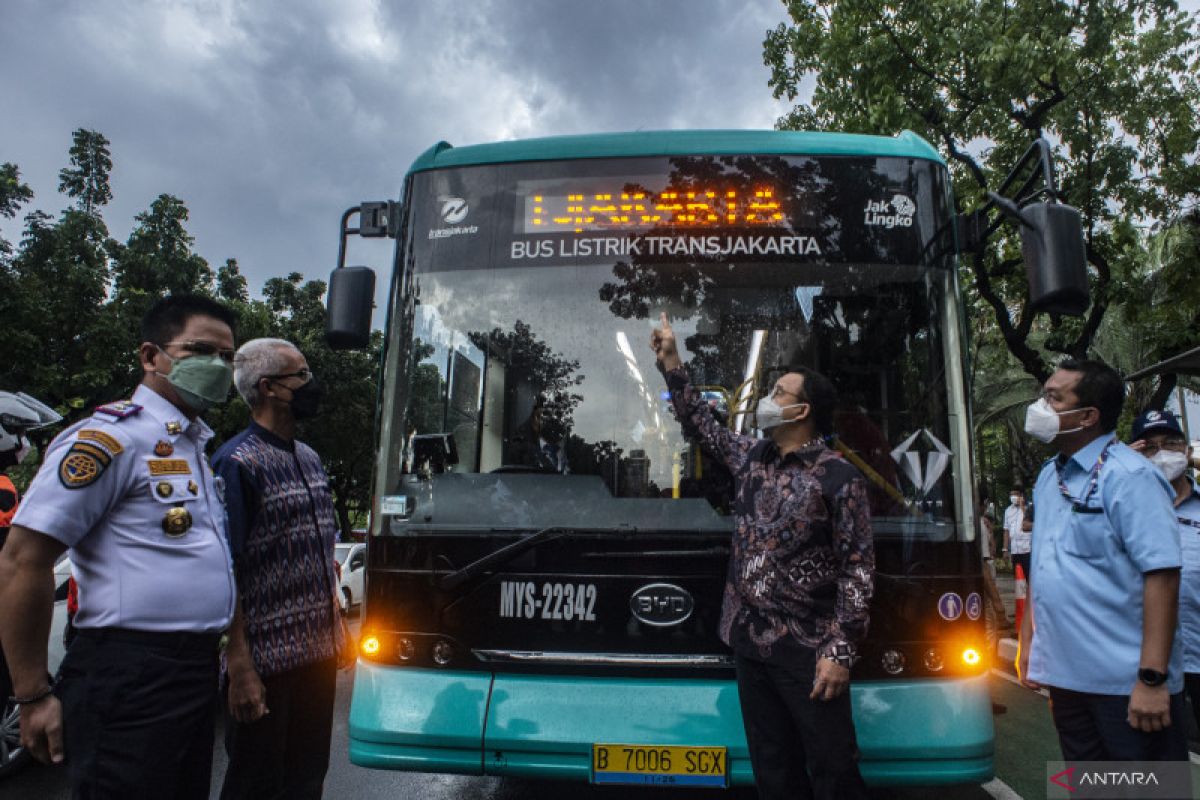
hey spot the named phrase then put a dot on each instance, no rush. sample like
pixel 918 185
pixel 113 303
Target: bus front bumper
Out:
pixel 479 723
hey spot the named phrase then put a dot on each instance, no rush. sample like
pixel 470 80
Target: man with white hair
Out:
pixel 287 636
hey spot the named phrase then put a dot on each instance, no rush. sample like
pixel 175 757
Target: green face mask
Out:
pixel 201 381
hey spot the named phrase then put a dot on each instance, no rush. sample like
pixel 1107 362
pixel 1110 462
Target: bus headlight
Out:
pixel 893 662
pixel 443 653
pixel 934 660
pixel 406 649
pixel 369 646
pixel 971 657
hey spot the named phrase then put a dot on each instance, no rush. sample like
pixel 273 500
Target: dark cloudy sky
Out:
pixel 269 118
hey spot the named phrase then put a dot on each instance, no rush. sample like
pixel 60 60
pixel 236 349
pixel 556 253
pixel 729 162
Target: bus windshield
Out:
pixel 522 392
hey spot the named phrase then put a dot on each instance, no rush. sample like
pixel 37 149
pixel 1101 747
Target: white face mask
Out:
pixel 1014 499
pixel 1042 422
pixel 768 414
pixel 1171 463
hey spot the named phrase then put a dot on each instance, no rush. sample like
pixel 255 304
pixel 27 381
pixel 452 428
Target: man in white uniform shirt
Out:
pixel 1018 537
pixel 130 491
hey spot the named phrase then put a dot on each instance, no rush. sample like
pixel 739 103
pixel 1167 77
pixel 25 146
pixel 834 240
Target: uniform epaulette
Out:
pixel 120 409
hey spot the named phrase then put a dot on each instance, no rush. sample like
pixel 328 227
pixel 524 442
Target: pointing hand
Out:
pixel 662 341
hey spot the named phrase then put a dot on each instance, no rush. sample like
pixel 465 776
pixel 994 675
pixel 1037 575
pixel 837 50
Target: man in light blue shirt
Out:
pixel 1158 437
pixel 1105 580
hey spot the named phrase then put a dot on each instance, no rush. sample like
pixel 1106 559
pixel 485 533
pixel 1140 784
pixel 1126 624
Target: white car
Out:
pixel 352 556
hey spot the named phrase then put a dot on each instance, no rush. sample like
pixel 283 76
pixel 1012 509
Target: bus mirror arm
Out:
pixel 498 557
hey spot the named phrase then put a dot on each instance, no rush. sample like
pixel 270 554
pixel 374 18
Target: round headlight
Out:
pixel 443 653
pixel 934 660
pixel 893 662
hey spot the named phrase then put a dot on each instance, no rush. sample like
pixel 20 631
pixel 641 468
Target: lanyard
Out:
pixel 1189 522
pixel 1080 505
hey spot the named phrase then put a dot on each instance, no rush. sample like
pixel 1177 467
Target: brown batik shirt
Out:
pixel 801 570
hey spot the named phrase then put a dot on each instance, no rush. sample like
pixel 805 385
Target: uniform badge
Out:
pixel 105 440
pixel 83 465
pixel 169 466
pixel 163 448
pixel 164 489
pixel 176 522
pixel 193 488
pixel 174 427
pixel 120 409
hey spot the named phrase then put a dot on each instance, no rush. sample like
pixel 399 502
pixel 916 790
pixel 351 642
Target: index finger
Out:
pixel 663 322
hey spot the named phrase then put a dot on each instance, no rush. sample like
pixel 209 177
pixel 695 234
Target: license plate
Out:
pixel 659 765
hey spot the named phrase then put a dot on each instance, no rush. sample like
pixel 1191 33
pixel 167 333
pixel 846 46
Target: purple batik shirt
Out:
pixel 801 570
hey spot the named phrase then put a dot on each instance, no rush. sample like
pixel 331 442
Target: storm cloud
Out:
pixel 270 118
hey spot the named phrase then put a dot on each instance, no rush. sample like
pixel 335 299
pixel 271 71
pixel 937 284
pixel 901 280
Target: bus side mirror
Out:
pixel 351 299
pixel 1055 258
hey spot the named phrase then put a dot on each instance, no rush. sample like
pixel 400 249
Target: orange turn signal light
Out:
pixel 369 645
pixel 971 656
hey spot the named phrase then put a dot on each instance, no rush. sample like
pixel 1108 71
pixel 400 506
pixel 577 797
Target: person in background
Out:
pixel 1104 594
pixel 288 636
pixel 19 414
pixel 1158 437
pixel 1017 534
pixel 797 600
pixel 129 490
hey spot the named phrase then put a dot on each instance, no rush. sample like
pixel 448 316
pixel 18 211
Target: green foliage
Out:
pixel 72 299
pixel 1111 84
pixel 87 178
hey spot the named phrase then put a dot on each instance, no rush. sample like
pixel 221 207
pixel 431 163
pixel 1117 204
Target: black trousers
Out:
pixel 1021 559
pixel 138 713
pixel 1191 685
pixel 286 753
pixel 799 748
pixel 1093 727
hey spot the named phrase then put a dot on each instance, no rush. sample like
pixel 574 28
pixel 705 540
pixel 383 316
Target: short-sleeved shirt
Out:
pixel 130 492
pixel 1188 516
pixel 1018 539
pixel 1088 568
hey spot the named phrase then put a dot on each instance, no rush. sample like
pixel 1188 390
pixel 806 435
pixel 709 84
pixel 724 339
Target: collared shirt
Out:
pixel 1187 515
pixel 801 570
pixel 281 532
pixel 1088 568
pixel 108 489
pixel 1018 539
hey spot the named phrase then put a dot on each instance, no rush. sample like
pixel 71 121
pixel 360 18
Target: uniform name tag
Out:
pixel 169 466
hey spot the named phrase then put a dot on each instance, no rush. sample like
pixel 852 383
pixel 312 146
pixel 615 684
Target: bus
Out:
pixel 547 552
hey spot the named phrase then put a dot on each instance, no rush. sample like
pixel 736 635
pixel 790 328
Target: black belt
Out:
pixel 175 640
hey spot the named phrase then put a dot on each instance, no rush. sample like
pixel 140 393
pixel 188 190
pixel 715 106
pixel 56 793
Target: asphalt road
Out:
pixel 1025 740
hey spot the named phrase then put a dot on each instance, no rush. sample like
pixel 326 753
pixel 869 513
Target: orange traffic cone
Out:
pixel 1020 590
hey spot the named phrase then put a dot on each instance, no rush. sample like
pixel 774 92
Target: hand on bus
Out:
pixel 831 680
pixel 662 341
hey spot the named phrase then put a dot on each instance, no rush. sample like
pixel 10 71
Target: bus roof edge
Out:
pixel 677 143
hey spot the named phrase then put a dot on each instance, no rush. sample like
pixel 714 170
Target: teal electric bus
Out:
pixel 547 552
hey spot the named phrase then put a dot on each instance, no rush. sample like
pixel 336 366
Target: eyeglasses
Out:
pixel 205 349
pixel 303 374
pixel 779 392
pixel 1173 445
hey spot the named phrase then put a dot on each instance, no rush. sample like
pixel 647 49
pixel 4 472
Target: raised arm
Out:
pixel 691 408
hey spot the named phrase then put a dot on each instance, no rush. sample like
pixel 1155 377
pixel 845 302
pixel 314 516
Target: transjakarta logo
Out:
pixel 454 210
pixel 895 213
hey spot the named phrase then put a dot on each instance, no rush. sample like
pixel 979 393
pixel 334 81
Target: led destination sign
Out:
pixel 621 206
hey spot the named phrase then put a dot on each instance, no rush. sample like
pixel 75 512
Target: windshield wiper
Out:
pixel 498 557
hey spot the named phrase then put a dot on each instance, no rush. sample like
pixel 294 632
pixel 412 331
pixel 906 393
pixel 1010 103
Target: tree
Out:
pixel 1112 84
pixel 87 178
pixel 13 195
pixel 231 286
pixel 158 257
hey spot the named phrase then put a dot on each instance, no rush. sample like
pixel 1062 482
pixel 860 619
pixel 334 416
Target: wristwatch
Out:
pixel 1152 677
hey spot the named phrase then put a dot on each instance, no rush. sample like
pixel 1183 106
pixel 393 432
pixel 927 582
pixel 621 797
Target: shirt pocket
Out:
pixel 1088 536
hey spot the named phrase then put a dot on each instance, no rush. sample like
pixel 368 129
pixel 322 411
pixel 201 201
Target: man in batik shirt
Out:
pixel 801 575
